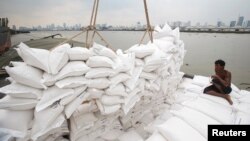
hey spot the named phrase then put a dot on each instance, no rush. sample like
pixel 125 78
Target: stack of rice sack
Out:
pixel 192 112
pixel 97 89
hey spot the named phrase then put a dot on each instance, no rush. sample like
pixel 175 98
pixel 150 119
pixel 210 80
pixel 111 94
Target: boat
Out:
pixel 5 42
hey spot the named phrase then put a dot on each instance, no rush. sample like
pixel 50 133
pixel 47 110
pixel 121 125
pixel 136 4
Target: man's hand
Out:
pixel 215 77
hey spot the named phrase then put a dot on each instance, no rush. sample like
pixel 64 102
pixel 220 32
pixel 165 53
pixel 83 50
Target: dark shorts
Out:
pixel 226 90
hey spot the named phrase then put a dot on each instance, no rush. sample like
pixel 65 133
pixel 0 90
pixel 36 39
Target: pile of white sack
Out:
pixel 87 93
pixel 191 113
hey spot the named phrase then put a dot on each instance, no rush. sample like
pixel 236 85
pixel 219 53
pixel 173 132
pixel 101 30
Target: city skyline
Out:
pixel 43 12
pixel 240 22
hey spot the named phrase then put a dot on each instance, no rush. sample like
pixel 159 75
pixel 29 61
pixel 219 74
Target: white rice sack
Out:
pixel 84 108
pixel 142 50
pixel 148 75
pixel 156 137
pixel 119 78
pixel 155 85
pixel 21 91
pixel 100 50
pixel 139 62
pixel 72 106
pixel 94 93
pixel 15 63
pixel 107 109
pixel 165 46
pixel 72 82
pixel 243 98
pixel 118 90
pixel 99 72
pixel 111 100
pixel 134 78
pixel 52 95
pixel 141 84
pixel 159 32
pixel 77 91
pixel 99 83
pixel 58 58
pixel 201 80
pixel 131 95
pixel 157 29
pixel 44 119
pixel 11 103
pixel 124 62
pixel 85 119
pixel 238 96
pixel 244 93
pixel 219 100
pixel 235 88
pixel 131 100
pixel 11 126
pixel 243 107
pixel 195 119
pixel 48 79
pixel 242 118
pixel 184 83
pixel 219 112
pixel 100 61
pixel 74 68
pixel 126 107
pixel 156 60
pixel 56 124
pixel 112 134
pixel 79 54
pixel 26 75
pixel 194 88
pixel 176 129
pixel 38 58
pixel 9 79
pixel 132 135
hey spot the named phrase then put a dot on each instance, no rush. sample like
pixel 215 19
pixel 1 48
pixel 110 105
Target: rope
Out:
pixel 107 44
pixel 93 24
pixel 67 40
pixel 149 29
pixel 93 10
pixel 96 12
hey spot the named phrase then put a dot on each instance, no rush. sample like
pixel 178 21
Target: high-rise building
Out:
pixel 240 21
pixel 14 27
pixel 64 25
pixel 248 23
pixel 232 23
pixel 219 24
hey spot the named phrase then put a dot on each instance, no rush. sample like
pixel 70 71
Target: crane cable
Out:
pixel 149 29
pixel 92 27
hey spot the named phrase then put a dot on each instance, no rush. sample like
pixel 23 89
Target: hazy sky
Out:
pixel 122 12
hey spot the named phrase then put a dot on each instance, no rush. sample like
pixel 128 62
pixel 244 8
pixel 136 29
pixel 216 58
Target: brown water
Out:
pixel 202 50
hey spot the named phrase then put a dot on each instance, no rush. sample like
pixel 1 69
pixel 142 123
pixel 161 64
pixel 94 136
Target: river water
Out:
pixel 202 50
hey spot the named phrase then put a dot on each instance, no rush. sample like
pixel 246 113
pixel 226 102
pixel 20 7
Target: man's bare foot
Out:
pixel 228 98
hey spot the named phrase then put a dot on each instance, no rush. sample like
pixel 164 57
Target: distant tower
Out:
pixel 248 23
pixel 64 25
pixel 240 21
pixel 189 23
pixel 232 23
pixel 14 27
pixel 219 24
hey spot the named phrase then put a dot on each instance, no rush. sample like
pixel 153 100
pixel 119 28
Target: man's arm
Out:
pixel 227 81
